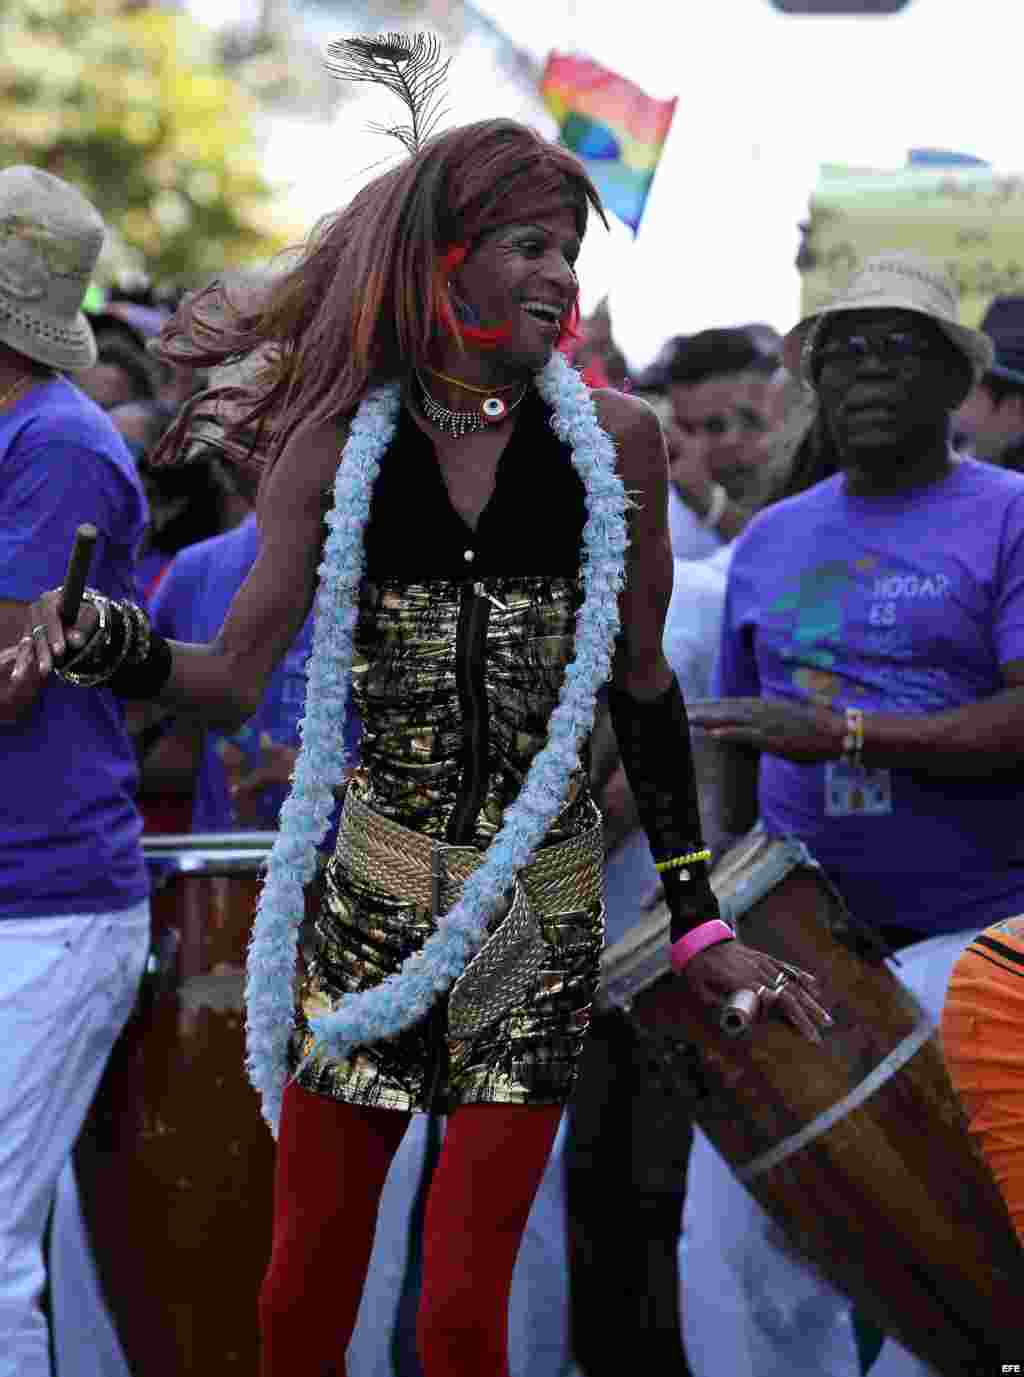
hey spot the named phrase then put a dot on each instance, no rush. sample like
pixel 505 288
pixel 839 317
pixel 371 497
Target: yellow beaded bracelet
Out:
pixel 688 859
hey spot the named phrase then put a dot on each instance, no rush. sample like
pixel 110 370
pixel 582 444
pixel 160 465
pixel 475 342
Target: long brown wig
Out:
pixel 368 297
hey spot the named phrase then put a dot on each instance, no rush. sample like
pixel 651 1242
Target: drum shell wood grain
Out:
pixel 892 1202
pixel 175 1163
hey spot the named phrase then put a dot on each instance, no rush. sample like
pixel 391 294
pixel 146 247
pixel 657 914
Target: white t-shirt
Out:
pixel 693 622
pixel 690 642
pixel 690 540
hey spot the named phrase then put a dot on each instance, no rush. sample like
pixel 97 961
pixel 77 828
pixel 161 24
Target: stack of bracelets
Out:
pixel 684 948
pixel 125 655
pixel 122 654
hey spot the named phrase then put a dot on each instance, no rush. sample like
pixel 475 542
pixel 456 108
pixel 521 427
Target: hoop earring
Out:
pixel 449 309
pixel 465 314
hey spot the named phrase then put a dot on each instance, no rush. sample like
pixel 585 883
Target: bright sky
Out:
pixel 764 98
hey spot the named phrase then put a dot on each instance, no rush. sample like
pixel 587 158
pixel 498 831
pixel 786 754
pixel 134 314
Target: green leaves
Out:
pixel 132 105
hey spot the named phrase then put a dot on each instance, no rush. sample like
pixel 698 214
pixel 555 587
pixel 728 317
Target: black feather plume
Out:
pixel 409 66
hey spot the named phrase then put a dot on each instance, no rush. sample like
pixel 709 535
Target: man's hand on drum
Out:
pixel 248 778
pixel 803 732
pixel 45 639
pixel 719 971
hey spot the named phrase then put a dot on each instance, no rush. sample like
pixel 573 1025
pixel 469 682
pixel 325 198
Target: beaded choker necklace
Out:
pixel 458 423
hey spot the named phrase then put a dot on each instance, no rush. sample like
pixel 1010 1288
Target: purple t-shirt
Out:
pixel 898 605
pixel 69 827
pixel 190 605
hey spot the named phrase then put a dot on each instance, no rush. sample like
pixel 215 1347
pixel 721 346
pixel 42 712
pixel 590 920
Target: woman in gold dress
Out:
pixel 484 575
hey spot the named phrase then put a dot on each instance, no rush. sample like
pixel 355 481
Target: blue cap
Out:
pixel 1004 325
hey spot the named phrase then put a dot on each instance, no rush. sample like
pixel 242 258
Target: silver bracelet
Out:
pixel 142 632
pixel 126 644
pixel 99 640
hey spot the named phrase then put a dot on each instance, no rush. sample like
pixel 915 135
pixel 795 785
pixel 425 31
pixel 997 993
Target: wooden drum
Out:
pixel 175 1163
pixel 858 1148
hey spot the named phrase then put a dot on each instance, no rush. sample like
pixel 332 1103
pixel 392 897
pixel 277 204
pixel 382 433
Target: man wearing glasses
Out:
pixel 872 669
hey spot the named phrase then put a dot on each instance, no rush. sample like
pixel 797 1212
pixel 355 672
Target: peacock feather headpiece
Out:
pixel 410 66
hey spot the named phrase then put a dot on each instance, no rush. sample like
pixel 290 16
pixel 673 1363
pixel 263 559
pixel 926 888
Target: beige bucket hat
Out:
pixel 50 239
pixel 895 279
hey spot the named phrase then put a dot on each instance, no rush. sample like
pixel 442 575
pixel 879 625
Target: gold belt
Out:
pixel 563 878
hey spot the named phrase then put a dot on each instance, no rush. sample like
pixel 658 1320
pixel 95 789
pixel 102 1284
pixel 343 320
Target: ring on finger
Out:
pixel 41 628
pixel 799 975
pixel 770 993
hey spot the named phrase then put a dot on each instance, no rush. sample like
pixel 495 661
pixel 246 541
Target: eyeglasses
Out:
pixel 898 348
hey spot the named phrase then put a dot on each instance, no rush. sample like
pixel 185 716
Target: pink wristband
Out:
pixel 683 951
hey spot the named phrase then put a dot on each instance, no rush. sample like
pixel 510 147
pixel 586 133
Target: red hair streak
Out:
pixel 483 339
pixel 454 258
pixel 570 329
pixel 487 339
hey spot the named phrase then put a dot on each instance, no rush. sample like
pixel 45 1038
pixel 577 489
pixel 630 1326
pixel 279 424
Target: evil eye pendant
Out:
pixel 494 409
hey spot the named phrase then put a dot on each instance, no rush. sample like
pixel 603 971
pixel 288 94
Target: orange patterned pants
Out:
pixel 983 1043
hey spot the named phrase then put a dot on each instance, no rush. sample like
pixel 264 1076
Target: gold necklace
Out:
pixel 459 423
pixel 469 387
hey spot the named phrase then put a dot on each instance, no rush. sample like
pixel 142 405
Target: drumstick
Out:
pixel 738 1013
pixel 77 572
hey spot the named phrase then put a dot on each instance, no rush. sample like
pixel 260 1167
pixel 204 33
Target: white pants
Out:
pixel 750 1307
pixel 67 986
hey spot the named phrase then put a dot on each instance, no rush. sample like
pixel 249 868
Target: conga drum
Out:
pixel 857 1148
pixel 175 1163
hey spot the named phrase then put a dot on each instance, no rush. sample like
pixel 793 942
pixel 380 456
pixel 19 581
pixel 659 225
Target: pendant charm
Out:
pixel 459 423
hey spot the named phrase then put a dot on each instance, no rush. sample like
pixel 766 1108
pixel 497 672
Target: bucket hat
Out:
pixel 895 280
pixel 50 239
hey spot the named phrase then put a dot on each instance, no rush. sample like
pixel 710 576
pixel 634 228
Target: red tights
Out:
pixel 332 1160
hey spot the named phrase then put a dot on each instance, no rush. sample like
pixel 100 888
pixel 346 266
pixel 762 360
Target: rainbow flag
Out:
pixel 614 128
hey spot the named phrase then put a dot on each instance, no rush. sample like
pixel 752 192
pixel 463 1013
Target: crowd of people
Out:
pixel 814 539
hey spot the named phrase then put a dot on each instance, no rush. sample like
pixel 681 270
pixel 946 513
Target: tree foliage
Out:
pixel 130 104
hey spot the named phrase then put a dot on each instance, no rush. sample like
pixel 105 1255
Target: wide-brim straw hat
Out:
pixel 895 280
pixel 50 239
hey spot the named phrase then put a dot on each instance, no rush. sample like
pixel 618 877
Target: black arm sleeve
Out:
pixel 654 742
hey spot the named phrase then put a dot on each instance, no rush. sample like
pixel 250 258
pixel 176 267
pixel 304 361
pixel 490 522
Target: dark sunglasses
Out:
pixel 897 348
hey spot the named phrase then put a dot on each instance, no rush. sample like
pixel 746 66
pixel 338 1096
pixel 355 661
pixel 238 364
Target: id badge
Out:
pixel 852 790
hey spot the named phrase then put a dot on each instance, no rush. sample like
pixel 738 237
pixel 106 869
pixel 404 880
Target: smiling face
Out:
pixel 522 277
pixel 887 381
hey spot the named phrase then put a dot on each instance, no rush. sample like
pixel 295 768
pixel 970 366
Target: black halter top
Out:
pixel 533 523
pixel 459 660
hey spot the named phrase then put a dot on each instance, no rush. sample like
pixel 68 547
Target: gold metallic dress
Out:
pixel 461 647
